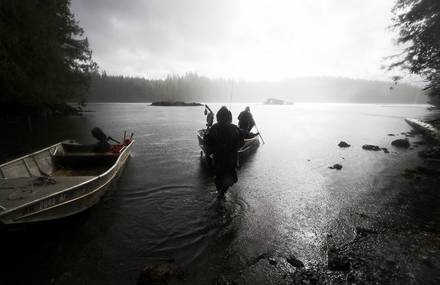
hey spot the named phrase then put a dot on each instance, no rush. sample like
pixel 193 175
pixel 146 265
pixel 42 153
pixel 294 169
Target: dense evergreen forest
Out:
pixel 192 87
pixel 45 59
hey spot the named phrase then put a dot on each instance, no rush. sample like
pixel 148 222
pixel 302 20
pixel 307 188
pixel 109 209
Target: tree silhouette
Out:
pixel 44 58
pixel 418 24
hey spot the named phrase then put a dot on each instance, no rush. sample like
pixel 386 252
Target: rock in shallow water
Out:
pixel 336 261
pixel 272 261
pixel 336 166
pixel 433 152
pixel 371 147
pixel 295 262
pixel 343 144
pixel 402 143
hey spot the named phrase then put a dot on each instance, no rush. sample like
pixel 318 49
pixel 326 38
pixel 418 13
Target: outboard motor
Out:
pixel 102 145
pixel 99 134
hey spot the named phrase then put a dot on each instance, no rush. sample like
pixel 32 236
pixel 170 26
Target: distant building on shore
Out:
pixel 273 101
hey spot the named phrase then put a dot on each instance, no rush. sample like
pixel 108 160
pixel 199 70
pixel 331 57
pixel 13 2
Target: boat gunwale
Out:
pixel 30 155
pixel 72 200
pixel 248 143
pixel 125 148
pixel 245 140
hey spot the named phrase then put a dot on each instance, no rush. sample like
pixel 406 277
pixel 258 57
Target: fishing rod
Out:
pixel 258 132
pixel 230 95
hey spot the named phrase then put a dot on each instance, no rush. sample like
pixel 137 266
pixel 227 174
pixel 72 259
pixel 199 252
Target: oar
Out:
pixel 258 132
pixel 209 109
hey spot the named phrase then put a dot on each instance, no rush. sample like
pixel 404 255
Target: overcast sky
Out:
pixel 241 39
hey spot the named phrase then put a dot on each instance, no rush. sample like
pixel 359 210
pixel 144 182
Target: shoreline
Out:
pixel 395 240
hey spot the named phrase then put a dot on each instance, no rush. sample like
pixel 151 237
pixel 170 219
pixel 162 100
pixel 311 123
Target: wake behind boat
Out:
pixel 58 181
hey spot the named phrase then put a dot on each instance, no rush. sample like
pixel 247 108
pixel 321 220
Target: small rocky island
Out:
pixel 176 103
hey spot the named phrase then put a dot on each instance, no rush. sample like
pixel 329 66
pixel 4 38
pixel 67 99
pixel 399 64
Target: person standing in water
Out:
pixel 246 121
pixel 224 140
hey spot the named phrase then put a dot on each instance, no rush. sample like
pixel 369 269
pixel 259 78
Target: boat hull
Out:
pixel 249 146
pixel 71 200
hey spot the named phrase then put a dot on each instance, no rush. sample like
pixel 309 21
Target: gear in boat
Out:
pixel 60 180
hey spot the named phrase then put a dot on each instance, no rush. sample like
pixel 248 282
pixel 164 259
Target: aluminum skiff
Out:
pixel 250 144
pixel 58 181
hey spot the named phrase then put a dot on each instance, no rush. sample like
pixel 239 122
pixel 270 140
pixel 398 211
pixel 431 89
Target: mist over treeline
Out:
pixel 193 87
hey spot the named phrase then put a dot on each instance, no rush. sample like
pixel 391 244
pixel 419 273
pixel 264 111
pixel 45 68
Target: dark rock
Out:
pixel 336 261
pixel 159 274
pixel 427 171
pixel 343 144
pixel 433 153
pixel 391 135
pixel 336 166
pixel 385 150
pixel 371 147
pixel 360 232
pixel 303 276
pixel 175 103
pixel 362 215
pixel 420 142
pixel 420 170
pixel 401 143
pixel 272 261
pixel 295 262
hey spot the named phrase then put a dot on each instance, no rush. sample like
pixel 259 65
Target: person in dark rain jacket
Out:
pixel 246 120
pixel 224 140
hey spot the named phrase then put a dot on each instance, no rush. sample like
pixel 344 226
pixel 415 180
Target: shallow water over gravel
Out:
pixel 165 208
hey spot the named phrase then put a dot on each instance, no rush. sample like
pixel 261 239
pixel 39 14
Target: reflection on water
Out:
pixel 165 206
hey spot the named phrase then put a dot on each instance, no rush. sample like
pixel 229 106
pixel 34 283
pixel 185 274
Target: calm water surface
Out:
pixel 165 206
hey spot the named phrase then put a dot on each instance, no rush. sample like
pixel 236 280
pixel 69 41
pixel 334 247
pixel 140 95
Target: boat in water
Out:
pixel 250 144
pixel 58 181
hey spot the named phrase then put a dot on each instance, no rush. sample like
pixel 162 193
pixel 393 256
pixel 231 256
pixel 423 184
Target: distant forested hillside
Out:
pixel 192 87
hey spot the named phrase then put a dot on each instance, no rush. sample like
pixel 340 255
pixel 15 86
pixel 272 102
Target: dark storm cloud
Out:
pixel 126 35
pixel 250 39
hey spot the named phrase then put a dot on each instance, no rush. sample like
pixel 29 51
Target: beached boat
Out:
pixel 424 128
pixel 58 181
pixel 250 144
